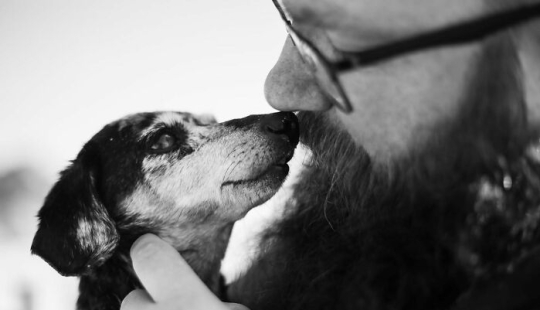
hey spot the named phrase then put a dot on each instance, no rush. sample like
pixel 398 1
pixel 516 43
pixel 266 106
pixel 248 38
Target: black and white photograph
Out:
pixel 270 155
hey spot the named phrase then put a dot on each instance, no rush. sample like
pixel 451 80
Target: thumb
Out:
pixel 233 306
pixel 165 274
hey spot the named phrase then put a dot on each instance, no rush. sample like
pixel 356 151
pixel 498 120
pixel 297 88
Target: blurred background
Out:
pixel 69 67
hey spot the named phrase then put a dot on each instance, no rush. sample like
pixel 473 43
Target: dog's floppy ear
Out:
pixel 75 231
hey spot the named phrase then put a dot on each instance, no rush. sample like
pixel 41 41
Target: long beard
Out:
pixel 418 232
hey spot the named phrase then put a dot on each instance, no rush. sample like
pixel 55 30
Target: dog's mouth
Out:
pixel 277 170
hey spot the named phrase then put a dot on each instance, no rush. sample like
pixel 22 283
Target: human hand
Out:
pixel 169 281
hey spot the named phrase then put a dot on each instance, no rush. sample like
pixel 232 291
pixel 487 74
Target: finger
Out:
pixel 136 300
pixel 165 274
pixel 233 306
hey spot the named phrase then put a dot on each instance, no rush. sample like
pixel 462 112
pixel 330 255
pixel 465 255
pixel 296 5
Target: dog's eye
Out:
pixel 164 143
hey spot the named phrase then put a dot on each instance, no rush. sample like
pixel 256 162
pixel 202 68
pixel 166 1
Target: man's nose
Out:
pixel 283 125
pixel 291 85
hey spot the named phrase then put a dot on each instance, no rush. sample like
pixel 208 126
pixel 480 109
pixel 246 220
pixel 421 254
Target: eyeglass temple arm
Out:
pixel 457 34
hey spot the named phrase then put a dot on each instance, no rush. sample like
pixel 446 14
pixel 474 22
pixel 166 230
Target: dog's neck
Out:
pixel 199 235
pixel 203 247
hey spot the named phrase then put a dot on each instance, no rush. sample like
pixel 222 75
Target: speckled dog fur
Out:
pixel 184 178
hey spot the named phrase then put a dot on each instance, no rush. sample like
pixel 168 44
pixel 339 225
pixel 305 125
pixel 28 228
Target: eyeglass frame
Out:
pixel 455 34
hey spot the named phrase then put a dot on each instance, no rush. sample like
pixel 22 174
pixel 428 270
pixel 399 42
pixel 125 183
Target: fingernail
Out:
pixel 144 246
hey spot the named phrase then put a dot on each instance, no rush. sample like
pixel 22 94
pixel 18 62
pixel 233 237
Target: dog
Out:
pixel 182 177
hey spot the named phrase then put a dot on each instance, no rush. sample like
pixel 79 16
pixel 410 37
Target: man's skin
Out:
pixel 397 105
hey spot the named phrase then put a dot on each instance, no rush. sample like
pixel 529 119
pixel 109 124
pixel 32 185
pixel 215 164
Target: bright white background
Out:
pixel 68 67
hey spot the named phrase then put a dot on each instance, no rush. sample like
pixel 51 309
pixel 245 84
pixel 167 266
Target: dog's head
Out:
pixel 152 171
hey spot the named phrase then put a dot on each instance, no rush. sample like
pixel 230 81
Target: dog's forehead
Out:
pixel 170 119
pixel 136 122
pixel 142 124
pixel 174 118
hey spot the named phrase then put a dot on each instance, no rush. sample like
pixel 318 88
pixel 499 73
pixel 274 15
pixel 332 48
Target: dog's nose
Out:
pixel 282 124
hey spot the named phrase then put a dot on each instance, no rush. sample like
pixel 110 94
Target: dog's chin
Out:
pixel 258 174
pixel 255 190
pixel 276 172
pixel 272 176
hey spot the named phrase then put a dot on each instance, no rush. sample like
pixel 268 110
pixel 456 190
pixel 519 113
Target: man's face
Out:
pixel 398 104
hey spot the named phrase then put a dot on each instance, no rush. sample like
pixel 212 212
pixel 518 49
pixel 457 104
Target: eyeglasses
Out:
pixel 326 71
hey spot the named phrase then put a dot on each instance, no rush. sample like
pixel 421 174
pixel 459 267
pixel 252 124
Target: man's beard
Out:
pixel 425 226
pixel 449 179
pixel 377 230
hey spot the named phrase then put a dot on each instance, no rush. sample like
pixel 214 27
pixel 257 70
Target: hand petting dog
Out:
pixel 168 279
pixel 182 177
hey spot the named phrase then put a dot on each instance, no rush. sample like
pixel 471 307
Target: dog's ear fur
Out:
pixel 75 231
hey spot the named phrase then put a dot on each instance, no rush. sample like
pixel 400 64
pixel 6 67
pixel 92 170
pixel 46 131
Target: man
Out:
pixel 422 151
